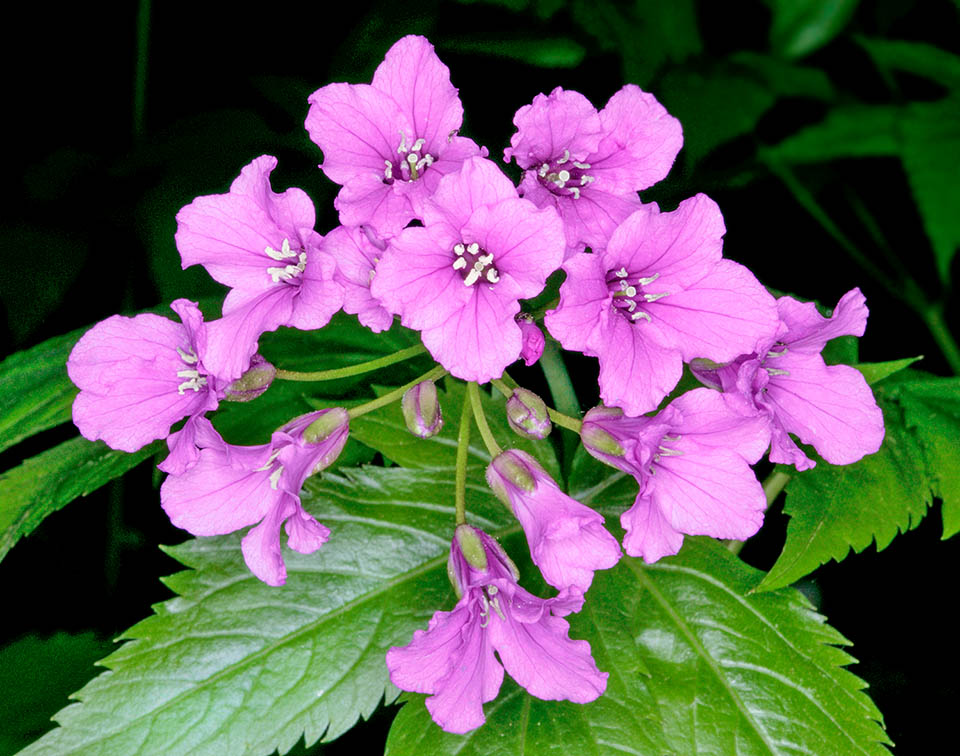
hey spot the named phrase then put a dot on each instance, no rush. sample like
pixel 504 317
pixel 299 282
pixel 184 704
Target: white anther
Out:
pixel 485 259
pixel 776 371
pixel 472 277
pixel 269 463
pixel 582 166
pixel 388 171
pixel 283 253
pixel 654 297
pixel 188 374
pixel 484 611
pixel 288 272
pixel 631 291
pixel 672 439
pixel 771 354
pixel 667 452
pixel 424 162
pixel 495 603
pixel 403 143
pixel 458 249
pixel 623 285
pixel 194 383
pixel 631 305
pixel 584 180
pixel 418 145
pixel 639 314
pixel 474 249
pixel 649 280
pixel 543 170
pixel 575 192
pixel 564 176
pixel 459 264
pixel 622 273
pixel 372 274
pixel 275 477
pixel 492 275
pixel 565 158
pixel 189 357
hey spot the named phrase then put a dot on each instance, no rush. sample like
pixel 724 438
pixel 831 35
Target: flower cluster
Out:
pixel 436 234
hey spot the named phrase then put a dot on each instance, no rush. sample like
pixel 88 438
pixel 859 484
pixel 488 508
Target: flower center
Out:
pixel 777 350
pixel 277 471
pixel 195 380
pixel 474 264
pixel 410 163
pixel 666 451
pixel 629 298
pixel 565 177
pixel 291 271
pixel 488 601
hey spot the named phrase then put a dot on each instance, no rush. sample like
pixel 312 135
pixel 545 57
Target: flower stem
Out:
pixel 772 487
pixel 489 441
pixel 359 369
pixel 463 446
pixel 564 398
pixel 564 421
pixel 391 396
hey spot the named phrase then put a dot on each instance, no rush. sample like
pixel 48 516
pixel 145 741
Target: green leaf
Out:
pixel 35 392
pixel 917 58
pixel 785 79
pixel 233 666
pixel 875 372
pixel 834 508
pixel 802 26
pixel 847 131
pixel 696 666
pixel 932 411
pixel 42 672
pixel 546 52
pixel 931 158
pixel 49 481
pixel 385 431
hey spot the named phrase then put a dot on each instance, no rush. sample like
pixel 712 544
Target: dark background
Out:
pixel 118 116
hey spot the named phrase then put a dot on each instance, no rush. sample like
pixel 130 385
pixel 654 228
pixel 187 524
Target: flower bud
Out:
pixel 421 410
pixel 253 382
pixel 527 414
pixel 532 338
pixel 510 470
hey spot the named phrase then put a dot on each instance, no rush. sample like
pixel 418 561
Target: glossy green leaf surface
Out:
pixel 801 26
pixel 47 482
pixel 847 131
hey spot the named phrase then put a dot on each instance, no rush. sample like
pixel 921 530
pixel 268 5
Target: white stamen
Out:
pixel 772 371
pixel 631 305
pixel 388 171
pixel 771 354
pixel 459 249
pixel 622 273
pixel 639 314
pixel 492 275
pixel 495 603
pixel 472 277
pixel 188 374
pixel 372 274
pixel 575 192
pixel 565 158
pixel 649 280
pixel 189 357
pixel 288 272
pixel 585 179
pixel 582 166
pixel 459 264
pixel 424 162
pixel 543 170
pixel 403 143
pixel 269 462
pixel 484 259
pixel 412 159
pixel 418 145
pixel 283 253
pixel 654 297
pixel 667 452
pixel 194 383
pixel 275 477
pixel 474 249
pixel 485 610
pixel 623 285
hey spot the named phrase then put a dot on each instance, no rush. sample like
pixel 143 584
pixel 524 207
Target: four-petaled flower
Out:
pixel 591 165
pixel 660 294
pixel 388 143
pixel 453 659
pixel 459 278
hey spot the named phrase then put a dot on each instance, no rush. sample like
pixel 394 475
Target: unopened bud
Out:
pixel 527 414
pixel 596 439
pixel 509 469
pixel 532 339
pixel 421 410
pixel 253 382
pixel 330 422
pixel 471 547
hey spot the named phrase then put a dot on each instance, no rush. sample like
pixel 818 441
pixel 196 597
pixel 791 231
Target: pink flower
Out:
pixel 692 462
pixel 459 278
pixel 591 165
pixel 388 143
pixel 231 487
pixel 658 295
pixel 138 376
pixel 533 339
pixel 567 539
pixel 357 252
pixel 830 407
pixel 453 659
pixel 263 246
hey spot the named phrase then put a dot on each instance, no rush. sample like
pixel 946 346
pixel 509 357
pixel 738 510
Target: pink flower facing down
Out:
pixel 533 339
pixel 830 407
pixel 231 487
pixel 458 278
pixel 692 462
pixel 591 165
pixel 357 251
pixel 138 376
pixel 263 246
pixel 658 295
pixel 388 143
pixel 567 539
pixel 453 659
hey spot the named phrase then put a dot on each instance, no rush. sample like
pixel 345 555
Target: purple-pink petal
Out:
pixel 561 121
pixel 356 259
pixel 808 331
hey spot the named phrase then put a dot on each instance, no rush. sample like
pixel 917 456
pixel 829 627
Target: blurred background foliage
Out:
pixel 827 130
